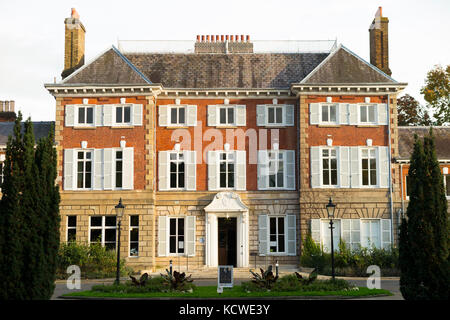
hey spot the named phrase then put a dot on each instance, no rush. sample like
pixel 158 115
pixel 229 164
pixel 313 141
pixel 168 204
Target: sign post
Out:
pixel 224 278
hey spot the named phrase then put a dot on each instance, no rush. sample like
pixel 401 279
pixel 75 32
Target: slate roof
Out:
pixel 40 128
pixel 406 141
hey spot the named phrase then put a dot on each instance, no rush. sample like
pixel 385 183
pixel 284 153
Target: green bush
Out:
pixel 347 261
pixel 94 260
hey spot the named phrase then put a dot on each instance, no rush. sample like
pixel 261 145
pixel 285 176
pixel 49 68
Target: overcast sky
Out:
pixel 32 34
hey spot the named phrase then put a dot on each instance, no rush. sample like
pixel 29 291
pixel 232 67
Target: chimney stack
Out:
pixel 7 112
pixel 223 44
pixel 379 49
pixel 73 44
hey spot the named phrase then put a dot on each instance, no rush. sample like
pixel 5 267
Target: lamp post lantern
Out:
pixel 120 208
pixel 330 210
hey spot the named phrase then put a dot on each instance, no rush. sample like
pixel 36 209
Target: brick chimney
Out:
pixel 7 112
pixel 73 44
pixel 379 49
pixel 223 44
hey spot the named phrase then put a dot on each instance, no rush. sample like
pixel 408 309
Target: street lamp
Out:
pixel 330 209
pixel 120 208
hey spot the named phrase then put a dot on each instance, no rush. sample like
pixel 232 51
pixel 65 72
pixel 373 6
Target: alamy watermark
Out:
pixel 374 280
pixel 74 280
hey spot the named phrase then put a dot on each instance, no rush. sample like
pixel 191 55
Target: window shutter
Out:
pixel 190 165
pixel 98 169
pixel 290 169
pixel 263 169
pixel 163 226
pixel 163 116
pixel 70 169
pixel 108 168
pixel 212 115
pixel 137 114
pixel 291 235
pixel 289 114
pixel 314 113
pixel 128 168
pixel 70 115
pixel 383 164
pixel 263 234
pixel 343 113
pixel 386 233
pixel 163 170
pixel 213 166
pixel 315 167
pixel 355 163
pixel 326 235
pixel 108 114
pixel 344 167
pixel 382 113
pixel 241 117
pixel 315 230
pixel 346 231
pixel 240 176
pixel 190 236
pixel 353 118
pixel 98 115
pixel 261 115
pixel 191 115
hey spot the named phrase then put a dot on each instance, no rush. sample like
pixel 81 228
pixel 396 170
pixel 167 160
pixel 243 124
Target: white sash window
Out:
pixel 368 167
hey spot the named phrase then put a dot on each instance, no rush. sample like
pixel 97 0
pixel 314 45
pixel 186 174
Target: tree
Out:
pixel 29 219
pixel 423 245
pixel 437 93
pixel 411 113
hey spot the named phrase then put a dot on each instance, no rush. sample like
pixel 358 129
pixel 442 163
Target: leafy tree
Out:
pixel 411 113
pixel 437 93
pixel 423 246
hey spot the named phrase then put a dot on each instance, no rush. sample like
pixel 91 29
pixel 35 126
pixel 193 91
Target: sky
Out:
pixel 32 34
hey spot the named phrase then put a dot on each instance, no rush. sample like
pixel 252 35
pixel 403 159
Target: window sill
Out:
pixel 231 126
pixel 84 127
pixel 277 126
pixel 368 126
pixel 172 127
pixel 323 125
pixel 122 127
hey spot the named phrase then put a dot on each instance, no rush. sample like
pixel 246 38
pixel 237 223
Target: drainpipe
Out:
pixel 401 185
pixel 390 169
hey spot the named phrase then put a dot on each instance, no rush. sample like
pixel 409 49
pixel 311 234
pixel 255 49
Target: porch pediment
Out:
pixel 226 202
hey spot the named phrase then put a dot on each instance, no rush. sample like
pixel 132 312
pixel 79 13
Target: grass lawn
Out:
pixel 235 292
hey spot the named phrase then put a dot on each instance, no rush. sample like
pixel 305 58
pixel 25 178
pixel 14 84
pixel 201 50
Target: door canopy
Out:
pixel 226 202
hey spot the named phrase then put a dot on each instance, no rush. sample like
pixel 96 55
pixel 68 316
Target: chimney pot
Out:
pixel 203 38
pixel 74 14
pixel 207 38
pixel 237 38
pixel 231 38
pixel 221 38
pixel 248 38
pixel 217 38
pixel 11 105
pixel 242 38
pixel 198 38
pixel 227 37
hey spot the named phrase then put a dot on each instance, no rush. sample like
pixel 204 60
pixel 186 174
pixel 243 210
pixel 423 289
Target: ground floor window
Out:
pixel 277 234
pixel 176 235
pixel 71 228
pixel 102 230
pixel 134 236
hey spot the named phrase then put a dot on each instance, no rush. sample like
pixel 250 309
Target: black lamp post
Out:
pixel 120 208
pixel 330 209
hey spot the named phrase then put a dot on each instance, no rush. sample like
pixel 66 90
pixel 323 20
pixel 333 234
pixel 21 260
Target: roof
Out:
pixel 41 130
pixel 406 141
pixel 344 66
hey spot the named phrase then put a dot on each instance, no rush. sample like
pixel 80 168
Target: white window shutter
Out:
pixel 213 167
pixel 108 114
pixel 163 116
pixel 69 115
pixel 70 169
pixel 315 167
pixel 291 235
pixel 290 169
pixel 343 113
pixel 163 233
pixel 263 234
pixel 263 169
pixel 353 118
pixel 98 169
pixel 190 236
pixel 98 115
pixel 383 165
pixel 346 230
pixel 108 168
pixel 314 113
pixel 241 164
pixel 344 167
pixel 241 117
pixel 386 233
pixel 137 114
pixel 128 169
pixel 382 113
pixel 212 115
pixel 261 115
pixel 191 166
pixel 289 114
pixel 315 230
pixel 355 164
pixel 191 115
pixel 163 170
